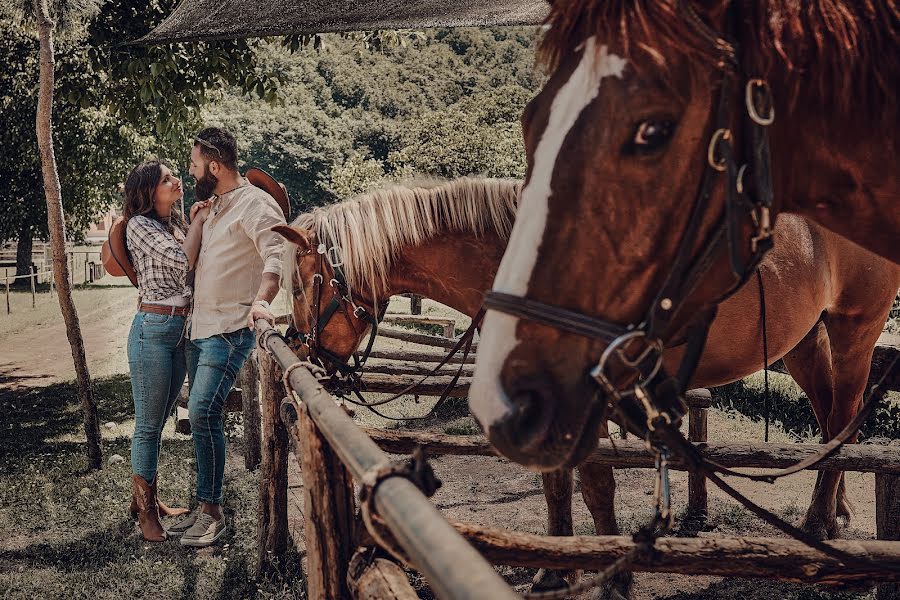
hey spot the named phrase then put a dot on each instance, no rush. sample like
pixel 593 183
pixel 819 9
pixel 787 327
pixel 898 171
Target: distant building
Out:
pixel 99 230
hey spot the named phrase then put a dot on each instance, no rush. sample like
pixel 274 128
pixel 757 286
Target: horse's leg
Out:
pixel 809 363
pixel 598 488
pixel 558 487
pixel 853 338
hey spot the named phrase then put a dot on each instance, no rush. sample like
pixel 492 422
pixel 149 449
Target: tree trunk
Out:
pixel 56 226
pixel 24 248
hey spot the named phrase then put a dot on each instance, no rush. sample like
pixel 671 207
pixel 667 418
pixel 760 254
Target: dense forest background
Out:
pixel 329 116
pixel 446 103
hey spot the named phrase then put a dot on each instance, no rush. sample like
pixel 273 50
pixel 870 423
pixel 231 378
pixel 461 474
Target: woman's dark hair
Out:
pixel 139 188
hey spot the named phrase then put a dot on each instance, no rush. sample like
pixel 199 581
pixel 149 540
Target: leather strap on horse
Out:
pixel 464 343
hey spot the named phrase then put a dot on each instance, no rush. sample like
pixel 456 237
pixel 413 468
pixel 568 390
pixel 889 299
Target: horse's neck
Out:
pixel 453 269
pixel 835 175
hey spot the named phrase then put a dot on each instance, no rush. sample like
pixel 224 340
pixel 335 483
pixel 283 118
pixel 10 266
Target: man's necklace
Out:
pixel 218 206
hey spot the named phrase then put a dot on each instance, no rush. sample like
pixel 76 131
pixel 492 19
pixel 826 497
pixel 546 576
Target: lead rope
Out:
pixel 765 344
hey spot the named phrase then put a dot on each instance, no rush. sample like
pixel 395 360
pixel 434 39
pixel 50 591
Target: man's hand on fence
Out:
pixel 260 310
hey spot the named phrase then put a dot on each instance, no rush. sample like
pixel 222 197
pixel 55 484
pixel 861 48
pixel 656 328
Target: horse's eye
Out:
pixel 652 135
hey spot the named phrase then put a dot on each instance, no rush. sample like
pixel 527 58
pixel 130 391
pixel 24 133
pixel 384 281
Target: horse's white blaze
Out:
pixel 487 399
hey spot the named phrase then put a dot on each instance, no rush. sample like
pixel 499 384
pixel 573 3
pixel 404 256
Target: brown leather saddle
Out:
pixel 114 253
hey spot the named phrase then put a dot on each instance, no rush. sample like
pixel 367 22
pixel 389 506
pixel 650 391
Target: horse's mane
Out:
pixel 371 228
pixel 844 52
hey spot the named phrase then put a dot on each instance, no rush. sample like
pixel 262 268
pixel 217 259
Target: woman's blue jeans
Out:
pixel 213 365
pixel 157 363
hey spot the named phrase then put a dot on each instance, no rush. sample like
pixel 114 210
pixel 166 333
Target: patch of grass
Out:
pixel 66 533
pixel 35 416
pixel 464 426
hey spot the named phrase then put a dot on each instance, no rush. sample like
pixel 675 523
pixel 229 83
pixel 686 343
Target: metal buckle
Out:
pixel 720 135
pixel 763 224
pixel 757 118
pixel 618 346
pixel 662 517
pixel 654 416
pixel 739 180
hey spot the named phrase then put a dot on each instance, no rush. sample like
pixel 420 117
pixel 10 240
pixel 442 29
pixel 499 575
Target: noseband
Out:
pixel 633 351
pixel 341 300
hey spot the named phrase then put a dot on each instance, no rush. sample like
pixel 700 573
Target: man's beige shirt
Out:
pixel 238 247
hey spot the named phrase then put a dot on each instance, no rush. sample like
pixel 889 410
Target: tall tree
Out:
pixel 56 225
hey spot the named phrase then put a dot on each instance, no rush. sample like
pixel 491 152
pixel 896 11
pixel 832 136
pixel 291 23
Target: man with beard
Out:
pixel 237 275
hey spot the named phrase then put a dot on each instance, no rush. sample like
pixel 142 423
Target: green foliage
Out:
pixel 446 103
pixel 93 149
pixel 114 103
pixel 796 414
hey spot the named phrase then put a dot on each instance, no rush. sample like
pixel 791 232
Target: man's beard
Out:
pixel 205 185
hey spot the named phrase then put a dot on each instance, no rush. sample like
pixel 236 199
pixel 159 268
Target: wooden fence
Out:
pixel 333 532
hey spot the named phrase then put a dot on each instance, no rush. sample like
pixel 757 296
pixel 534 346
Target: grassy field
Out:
pixel 66 533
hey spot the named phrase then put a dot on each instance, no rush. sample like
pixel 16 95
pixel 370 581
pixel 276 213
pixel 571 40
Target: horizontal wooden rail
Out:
pixel 772 558
pixel 437 550
pixel 426 357
pixel 631 454
pixel 418 338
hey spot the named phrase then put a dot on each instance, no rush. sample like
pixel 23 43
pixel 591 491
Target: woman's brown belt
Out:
pixel 160 309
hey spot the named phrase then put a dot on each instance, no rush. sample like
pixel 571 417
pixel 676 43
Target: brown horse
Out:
pixel 647 172
pixel 446 242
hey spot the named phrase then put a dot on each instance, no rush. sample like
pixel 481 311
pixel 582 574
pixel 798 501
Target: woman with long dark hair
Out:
pixel 163 249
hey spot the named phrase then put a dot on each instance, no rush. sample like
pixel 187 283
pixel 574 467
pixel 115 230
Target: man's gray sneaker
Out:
pixel 184 523
pixel 204 532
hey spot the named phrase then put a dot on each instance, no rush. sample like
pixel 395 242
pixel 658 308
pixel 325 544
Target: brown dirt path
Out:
pixel 37 353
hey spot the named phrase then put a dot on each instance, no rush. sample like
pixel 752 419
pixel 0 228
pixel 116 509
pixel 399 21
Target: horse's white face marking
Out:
pixel 487 400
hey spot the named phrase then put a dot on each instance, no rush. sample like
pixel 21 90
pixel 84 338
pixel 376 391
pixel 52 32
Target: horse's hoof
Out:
pixel 820 528
pixel 548 580
pixel 617 588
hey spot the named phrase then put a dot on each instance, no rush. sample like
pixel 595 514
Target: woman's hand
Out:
pixel 200 211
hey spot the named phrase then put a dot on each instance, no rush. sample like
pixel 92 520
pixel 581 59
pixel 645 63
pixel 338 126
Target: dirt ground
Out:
pixel 483 490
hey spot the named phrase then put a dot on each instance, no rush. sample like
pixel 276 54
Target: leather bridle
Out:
pixel 651 398
pixel 342 300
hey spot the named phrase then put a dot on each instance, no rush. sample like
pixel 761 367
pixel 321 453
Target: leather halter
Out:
pixel 650 398
pixel 341 299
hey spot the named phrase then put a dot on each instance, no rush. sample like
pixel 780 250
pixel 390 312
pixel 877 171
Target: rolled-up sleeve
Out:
pixel 149 239
pixel 258 223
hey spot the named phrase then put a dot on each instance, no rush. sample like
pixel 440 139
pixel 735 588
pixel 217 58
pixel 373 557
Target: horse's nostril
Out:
pixel 530 419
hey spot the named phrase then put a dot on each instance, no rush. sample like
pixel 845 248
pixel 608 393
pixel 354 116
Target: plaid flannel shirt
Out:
pixel 159 261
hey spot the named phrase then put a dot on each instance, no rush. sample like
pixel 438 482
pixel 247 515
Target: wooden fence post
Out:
pixel 887 520
pixel 273 529
pixel 7 296
pixel 33 282
pixel 329 510
pixel 415 304
pixel 249 382
pixel 378 578
pixel 698 504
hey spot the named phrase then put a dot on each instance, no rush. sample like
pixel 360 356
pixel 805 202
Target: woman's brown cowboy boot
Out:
pixel 144 501
pixel 164 510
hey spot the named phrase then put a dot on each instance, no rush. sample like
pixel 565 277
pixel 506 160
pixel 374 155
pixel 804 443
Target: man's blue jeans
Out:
pixel 213 365
pixel 157 363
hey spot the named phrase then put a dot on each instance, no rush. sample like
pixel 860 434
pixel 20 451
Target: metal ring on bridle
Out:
pixel 618 345
pixel 757 118
pixel 721 135
pixel 739 180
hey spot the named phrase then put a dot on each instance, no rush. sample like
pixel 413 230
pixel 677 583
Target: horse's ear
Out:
pixel 300 237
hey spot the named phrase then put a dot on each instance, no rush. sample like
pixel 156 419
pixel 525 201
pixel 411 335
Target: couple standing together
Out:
pixel 206 332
